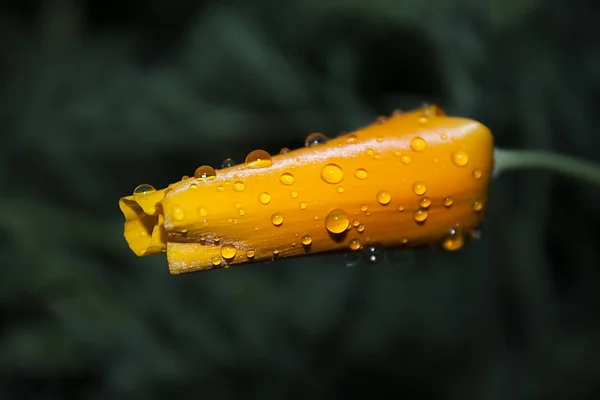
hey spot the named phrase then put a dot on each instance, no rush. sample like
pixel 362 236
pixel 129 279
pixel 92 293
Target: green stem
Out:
pixel 506 160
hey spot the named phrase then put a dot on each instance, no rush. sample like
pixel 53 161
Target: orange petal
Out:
pixel 412 179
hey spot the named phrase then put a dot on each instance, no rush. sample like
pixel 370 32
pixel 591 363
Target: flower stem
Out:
pixel 506 160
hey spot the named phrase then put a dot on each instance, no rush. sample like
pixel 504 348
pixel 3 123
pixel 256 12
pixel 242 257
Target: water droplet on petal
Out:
pixel 448 202
pixel 424 202
pixel 354 244
pixel 202 211
pixel 477 206
pixel 420 215
pixel 228 162
pixel 453 240
pixel 460 158
pixel 287 179
pixel 143 190
pixel 360 228
pixel 303 206
pixel 306 240
pixel 418 144
pixel 242 212
pixel 250 253
pixel 285 150
pixel 337 221
pixel 332 173
pixel 205 172
pixel 384 197
pixel 239 186
pixel 419 188
pixel 400 208
pixel 277 219
pixel 361 173
pixel 364 208
pixel 228 251
pixel 185 178
pixel 315 139
pixel 193 186
pixel 258 159
pixel 264 198
pixel 293 194
pixel 216 261
pixel 405 159
pixel 477 173
pixel 351 139
pixel 178 214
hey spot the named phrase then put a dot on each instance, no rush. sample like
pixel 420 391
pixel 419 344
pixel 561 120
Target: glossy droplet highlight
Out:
pixel 354 244
pixel 384 197
pixel 287 179
pixel 228 162
pixel 418 144
pixel 360 228
pixel 216 261
pixel 306 240
pixel 419 188
pixel 205 172
pixel 303 206
pixel 250 253
pixel 202 211
pixel 477 173
pixel 332 173
pixel 453 240
pixel 361 173
pixel 351 139
pixel 420 215
pixel 424 202
pixel 405 159
pixel 364 208
pixel 143 190
pixel 228 251
pixel 293 194
pixel 448 202
pixel 285 150
pixel 477 206
pixel 239 186
pixel 258 159
pixel 460 158
pixel 337 221
pixel 315 139
pixel 264 198
pixel 277 219
pixel 178 214
pixel 373 255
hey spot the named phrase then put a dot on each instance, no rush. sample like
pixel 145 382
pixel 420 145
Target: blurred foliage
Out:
pixel 99 96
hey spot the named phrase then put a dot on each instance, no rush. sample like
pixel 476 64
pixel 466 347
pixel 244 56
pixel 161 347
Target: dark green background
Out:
pixel 99 96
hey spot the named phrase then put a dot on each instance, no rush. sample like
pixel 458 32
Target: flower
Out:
pixel 413 179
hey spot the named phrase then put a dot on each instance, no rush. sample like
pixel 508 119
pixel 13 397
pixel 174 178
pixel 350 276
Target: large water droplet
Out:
pixel 337 221
pixel 277 219
pixel 258 159
pixel 360 228
pixel 228 162
pixel 216 261
pixel 384 197
pixel 364 208
pixel 250 253
pixel 143 190
pixel 373 255
pixel 264 198
pixel 418 144
pixel 453 240
pixel 351 139
pixel 419 188
pixel 420 215
pixel 332 173
pixel 205 172
pixel 448 202
pixel 287 179
pixel 306 240
pixel 354 244
pixel 228 251
pixel 460 158
pixel 424 202
pixel 284 150
pixel 315 139
pixel 239 186
pixel 361 173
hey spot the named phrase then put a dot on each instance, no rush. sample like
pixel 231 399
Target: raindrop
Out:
pixel 448 202
pixel 361 173
pixel 277 219
pixel 337 221
pixel 460 158
pixel 250 253
pixel 351 139
pixel 258 159
pixel 205 172
pixel 418 144
pixel 384 197
pixel 477 174
pixel 264 198
pixel 477 206
pixel 424 202
pixel 453 240
pixel 360 228
pixel 286 178
pixel 303 206
pixel 354 244
pixel 293 194
pixel 228 251
pixel 143 190
pixel 239 186
pixel 178 214
pixel 228 162
pixel 315 139
pixel 419 188
pixel 332 173
pixel 420 215
pixel 285 150
pixel 216 261
pixel 306 240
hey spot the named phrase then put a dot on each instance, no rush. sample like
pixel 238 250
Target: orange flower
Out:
pixel 413 179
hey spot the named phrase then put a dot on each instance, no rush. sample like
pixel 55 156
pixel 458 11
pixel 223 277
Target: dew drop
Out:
pixel 143 190
pixel 373 255
pixel 418 144
pixel 250 253
pixel 228 251
pixel 275 252
pixel 242 212
pixel 420 215
pixel 453 240
pixel 264 198
pixel 303 206
pixel 340 189
pixel 354 244
pixel 178 214
pixel 351 139
pixel 337 221
pixel 477 174
pixel 185 178
pixel 370 152
pixel 277 219
pixel 460 158
pixel 239 186
pixel 205 172
pixel 384 197
pixel 448 201
pixel 193 186
pixel 405 159
pixel 361 173
pixel 477 206
pixel 285 150
pixel 381 120
pixel 355 223
pixel 364 208
pixel 400 208
pixel 287 179
pixel 228 162
pixel 293 194
pixel 220 188
pixel 419 188
pixel 306 240
pixel 424 202
pixel 332 173
pixel 315 139
pixel 379 140
pixel 360 228
pixel 202 211
pixel 216 261
pixel 258 159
